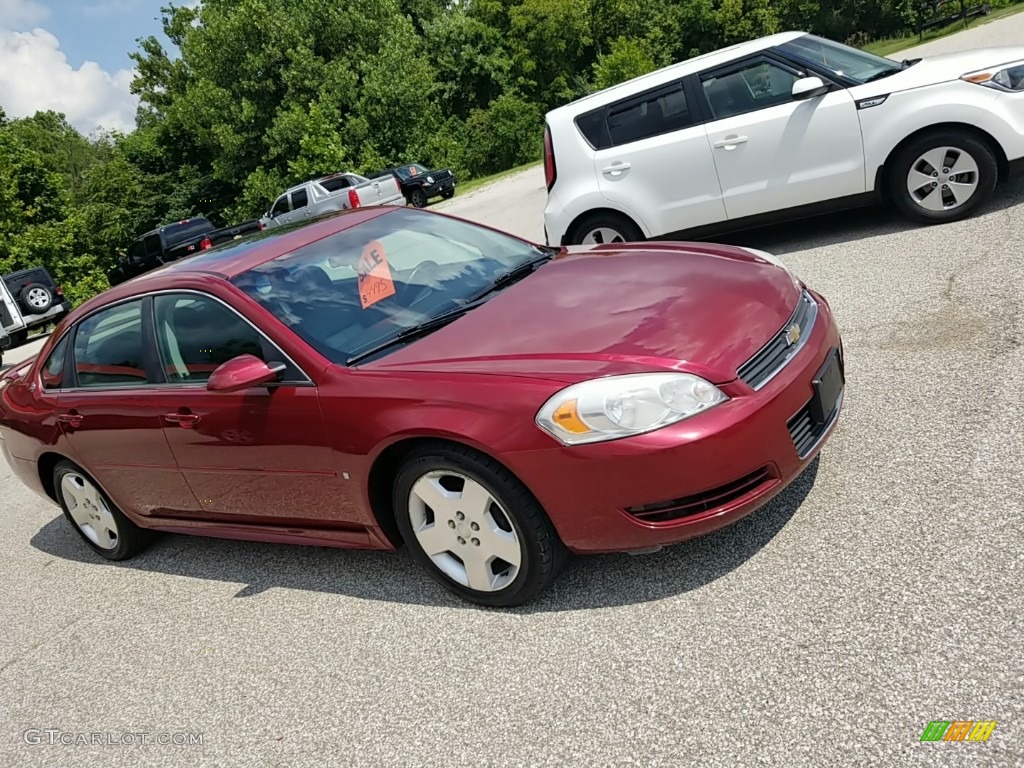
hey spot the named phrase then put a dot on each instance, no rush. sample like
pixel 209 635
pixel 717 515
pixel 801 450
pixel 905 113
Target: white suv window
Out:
pixel 660 111
pixel 750 86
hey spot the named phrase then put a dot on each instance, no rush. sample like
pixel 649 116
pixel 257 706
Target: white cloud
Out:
pixel 35 75
pixel 16 14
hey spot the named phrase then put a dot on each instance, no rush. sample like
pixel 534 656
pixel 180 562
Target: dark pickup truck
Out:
pixel 419 184
pixel 175 241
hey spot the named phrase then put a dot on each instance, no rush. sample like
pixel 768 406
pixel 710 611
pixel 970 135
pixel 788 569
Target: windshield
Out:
pixel 359 288
pixel 839 59
pixel 407 171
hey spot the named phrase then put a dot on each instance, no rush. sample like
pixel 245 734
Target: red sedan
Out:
pixel 391 375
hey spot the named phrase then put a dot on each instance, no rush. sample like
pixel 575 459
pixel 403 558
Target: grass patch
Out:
pixel 471 184
pixel 896 44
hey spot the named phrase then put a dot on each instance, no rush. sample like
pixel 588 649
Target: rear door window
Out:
pixel 153 246
pixel 299 199
pixel 109 350
pixel 662 111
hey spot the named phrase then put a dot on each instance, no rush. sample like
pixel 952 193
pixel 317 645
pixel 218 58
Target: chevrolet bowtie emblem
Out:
pixel 792 335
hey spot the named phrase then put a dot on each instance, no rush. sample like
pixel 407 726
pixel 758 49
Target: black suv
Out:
pixel 30 299
pixel 419 184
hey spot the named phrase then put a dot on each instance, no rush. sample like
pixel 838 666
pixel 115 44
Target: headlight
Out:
pixel 621 406
pixel 1006 77
pixel 430 179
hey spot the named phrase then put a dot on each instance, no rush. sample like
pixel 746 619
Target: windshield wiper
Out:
pixel 503 280
pixel 516 274
pixel 883 73
pixel 420 329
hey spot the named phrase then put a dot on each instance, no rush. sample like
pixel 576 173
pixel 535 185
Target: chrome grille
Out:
pixel 773 356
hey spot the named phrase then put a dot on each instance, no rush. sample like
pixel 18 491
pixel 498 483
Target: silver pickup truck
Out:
pixel 332 193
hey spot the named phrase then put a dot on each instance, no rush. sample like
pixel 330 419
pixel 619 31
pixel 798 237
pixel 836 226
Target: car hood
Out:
pixel 942 68
pixel 607 309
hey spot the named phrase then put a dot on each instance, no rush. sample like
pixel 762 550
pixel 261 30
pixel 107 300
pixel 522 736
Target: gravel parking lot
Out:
pixel 882 591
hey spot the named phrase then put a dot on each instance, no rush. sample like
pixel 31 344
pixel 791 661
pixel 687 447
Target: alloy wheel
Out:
pixel 37 297
pixel 602 235
pixel 943 178
pixel 464 531
pixel 89 511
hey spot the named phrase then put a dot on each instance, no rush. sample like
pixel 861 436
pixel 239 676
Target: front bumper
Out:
pixel 712 469
pixel 436 190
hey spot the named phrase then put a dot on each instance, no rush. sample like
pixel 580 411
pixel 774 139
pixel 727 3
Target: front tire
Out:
pixel 475 527
pixel 418 198
pixel 943 176
pixel 448 194
pixel 605 227
pixel 102 526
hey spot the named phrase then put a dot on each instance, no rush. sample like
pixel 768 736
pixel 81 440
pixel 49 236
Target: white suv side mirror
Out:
pixel 809 88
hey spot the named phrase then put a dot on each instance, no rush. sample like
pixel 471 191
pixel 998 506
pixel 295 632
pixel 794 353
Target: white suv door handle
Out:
pixel 729 142
pixel 615 170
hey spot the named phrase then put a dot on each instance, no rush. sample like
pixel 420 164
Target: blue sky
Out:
pixel 103 31
pixel 72 56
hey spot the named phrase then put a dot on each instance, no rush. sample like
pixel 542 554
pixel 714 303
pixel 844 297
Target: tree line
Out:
pixel 256 95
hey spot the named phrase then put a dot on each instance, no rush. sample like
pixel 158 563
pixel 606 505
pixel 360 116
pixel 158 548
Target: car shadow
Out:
pixel 595 581
pixel 849 226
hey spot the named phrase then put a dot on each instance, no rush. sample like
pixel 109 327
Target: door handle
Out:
pixel 72 418
pixel 184 420
pixel 730 142
pixel 616 170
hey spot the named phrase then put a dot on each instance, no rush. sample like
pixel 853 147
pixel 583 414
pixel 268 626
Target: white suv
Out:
pixel 785 126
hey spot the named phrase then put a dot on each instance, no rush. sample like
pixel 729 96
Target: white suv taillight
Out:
pixel 550 171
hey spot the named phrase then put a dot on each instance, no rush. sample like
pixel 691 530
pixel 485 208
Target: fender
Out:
pixel 904 113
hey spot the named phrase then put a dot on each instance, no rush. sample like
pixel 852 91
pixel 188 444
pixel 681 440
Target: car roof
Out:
pixel 237 256
pixel 675 71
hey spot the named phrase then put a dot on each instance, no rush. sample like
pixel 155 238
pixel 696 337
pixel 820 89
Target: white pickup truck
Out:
pixel 336 192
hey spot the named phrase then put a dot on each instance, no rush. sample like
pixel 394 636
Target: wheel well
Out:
pixel 45 465
pixel 997 150
pixel 571 229
pixel 382 475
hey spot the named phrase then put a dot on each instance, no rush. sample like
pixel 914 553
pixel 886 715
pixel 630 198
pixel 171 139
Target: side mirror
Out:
pixel 243 372
pixel 809 88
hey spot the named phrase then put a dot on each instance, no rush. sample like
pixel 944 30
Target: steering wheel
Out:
pixel 423 266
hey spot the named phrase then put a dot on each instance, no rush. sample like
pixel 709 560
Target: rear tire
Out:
pixel 101 525
pixel 942 176
pixel 605 227
pixel 489 540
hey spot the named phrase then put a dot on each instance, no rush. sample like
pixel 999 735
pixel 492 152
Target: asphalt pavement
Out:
pixel 884 590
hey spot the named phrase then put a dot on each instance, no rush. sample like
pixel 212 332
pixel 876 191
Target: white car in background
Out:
pixel 784 126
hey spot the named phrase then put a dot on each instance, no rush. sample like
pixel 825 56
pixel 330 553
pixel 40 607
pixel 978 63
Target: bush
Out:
pixel 508 133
